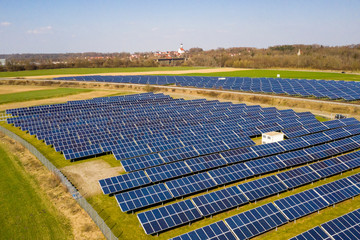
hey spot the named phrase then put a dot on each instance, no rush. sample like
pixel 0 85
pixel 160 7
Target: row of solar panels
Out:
pixel 223 199
pixel 141 178
pixel 344 227
pixel 348 90
pixel 147 161
pixel 255 221
pixel 79 142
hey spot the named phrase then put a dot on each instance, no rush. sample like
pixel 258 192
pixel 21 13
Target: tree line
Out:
pixel 345 58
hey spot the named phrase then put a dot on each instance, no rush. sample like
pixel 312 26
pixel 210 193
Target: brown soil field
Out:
pixel 5 89
pixel 86 176
pixel 82 225
pixel 144 73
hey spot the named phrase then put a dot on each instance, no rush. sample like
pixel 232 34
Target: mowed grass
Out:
pixel 40 94
pixel 283 74
pixel 25 211
pixel 79 71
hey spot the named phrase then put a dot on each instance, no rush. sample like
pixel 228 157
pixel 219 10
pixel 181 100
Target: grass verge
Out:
pixel 39 94
pixel 79 71
pixel 25 211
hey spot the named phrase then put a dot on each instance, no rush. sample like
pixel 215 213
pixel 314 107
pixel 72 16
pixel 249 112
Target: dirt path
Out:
pixel 86 175
pixel 82 225
pixel 80 96
pixel 211 70
pixel 5 89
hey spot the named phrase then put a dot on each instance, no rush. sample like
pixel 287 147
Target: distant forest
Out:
pixel 343 58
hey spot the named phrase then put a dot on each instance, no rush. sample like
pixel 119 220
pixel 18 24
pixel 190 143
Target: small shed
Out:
pixel 271 137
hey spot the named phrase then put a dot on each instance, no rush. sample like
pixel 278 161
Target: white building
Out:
pixel 271 137
pixel 2 62
pixel 181 49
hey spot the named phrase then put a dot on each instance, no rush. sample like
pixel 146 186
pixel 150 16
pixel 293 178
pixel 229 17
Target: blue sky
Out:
pixel 115 26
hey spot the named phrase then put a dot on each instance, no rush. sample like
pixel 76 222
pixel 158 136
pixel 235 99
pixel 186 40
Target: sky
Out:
pixel 39 26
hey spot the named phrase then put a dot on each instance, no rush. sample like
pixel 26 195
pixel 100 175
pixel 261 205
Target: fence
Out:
pixel 76 194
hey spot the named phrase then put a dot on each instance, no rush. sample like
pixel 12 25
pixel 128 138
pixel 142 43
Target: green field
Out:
pixel 39 94
pixel 26 212
pixel 283 74
pixel 77 71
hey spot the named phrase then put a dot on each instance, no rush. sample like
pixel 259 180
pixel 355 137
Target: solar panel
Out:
pixel 262 187
pixel 256 221
pixel 143 197
pixel 217 230
pixel 191 184
pixel 123 182
pixel 317 88
pixel 230 174
pixel 329 167
pixel 142 162
pixel 218 201
pixel 299 176
pixel 205 162
pixel 168 171
pixel 163 218
pixel 338 191
pixel 352 160
pixel 264 165
pixel 315 233
pixel 301 204
pixel 344 227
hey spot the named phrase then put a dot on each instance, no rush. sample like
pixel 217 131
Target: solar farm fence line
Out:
pixel 72 190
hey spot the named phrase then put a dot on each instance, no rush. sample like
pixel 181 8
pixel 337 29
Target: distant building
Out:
pixel 181 49
pixel 2 62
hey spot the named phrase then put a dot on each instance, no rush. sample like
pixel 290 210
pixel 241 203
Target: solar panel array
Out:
pixel 242 163
pixel 348 90
pixel 175 148
pixel 146 130
pixel 272 215
pixel 344 227
pixel 223 199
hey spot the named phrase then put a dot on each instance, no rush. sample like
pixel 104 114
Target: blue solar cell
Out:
pixel 123 182
pixel 338 191
pixel 191 184
pixel 329 167
pixel 267 164
pixel 299 176
pixel 142 162
pixel 344 227
pixel 315 233
pixel 352 160
pixel 256 221
pixel 143 197
pixel 230 174
pixel 217 230
pixel 168 171
pixel 205 162
pixel 163 218
pixel 218 201
pixel 261 188
pixel 301 204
